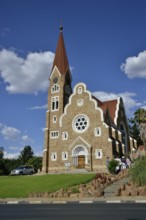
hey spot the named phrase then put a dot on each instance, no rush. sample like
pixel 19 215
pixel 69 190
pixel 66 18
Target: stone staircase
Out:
pixel 110 191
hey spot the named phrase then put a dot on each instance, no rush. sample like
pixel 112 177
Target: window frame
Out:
pixel 54 134
pixel 80 90
pixel 64 155
pixel 64 135
pixel 55 88
pixel 55 103
pixel 97 152
pixel 53 156
pixel 75 122
pixel 97 131
pixel 54 119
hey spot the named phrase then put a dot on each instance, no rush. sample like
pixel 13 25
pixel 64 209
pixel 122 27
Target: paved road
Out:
pixel 73 211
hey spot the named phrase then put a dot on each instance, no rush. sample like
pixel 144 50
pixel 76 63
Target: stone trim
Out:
pixel 82 142
pixel 90 98
pixel 55 69
pixel 117 110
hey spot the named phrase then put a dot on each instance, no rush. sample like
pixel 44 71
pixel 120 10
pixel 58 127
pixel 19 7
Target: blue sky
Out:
pixel 106 47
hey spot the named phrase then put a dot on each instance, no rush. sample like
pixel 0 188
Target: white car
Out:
pixel 23 170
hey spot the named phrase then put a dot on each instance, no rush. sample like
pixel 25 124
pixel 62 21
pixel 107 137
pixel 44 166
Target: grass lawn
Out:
pixel 21 186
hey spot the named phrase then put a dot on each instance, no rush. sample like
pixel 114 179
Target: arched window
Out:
pixel 55 103
pixel 55 88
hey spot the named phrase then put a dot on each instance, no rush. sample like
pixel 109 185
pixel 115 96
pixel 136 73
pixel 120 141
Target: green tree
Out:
pixel 26 154
pixel 2 167
pixel 1 152
pixel 135 131
pixel 138 126
pixel 10 164
pixel 36 162
pixel 140 116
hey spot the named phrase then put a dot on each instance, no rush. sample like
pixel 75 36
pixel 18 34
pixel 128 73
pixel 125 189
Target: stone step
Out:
pixel 110 191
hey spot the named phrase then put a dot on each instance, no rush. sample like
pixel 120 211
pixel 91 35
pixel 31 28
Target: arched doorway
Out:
pixel 81 161
pixel 79 154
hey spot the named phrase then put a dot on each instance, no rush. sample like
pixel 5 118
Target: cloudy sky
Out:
pixel 106 46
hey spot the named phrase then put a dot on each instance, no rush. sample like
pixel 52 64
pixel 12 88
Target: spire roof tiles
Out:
pixel 60 60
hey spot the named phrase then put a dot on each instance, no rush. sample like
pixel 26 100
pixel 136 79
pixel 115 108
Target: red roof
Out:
pixel 108 105
pixel 60 59
pixel 111 106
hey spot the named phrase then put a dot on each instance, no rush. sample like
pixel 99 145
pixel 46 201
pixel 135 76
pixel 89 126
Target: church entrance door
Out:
pixel 81 161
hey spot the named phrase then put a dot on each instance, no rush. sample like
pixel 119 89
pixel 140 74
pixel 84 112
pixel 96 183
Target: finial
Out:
pixel 61 28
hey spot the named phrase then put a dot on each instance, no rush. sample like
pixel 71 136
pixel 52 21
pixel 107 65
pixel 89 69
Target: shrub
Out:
pixel 138 171
pixel 75 190
pixel 36 162
pixel 1 172
pixel 112 166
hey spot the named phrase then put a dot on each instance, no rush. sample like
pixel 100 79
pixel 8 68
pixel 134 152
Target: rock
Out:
pixel 65 195
pixel 125 193
pixel 81 195
pixel 141 191
pixel 99 192
pixel 118 192
pixel 122 187
pixel 45 194
pixel 134 192
pixel 74 195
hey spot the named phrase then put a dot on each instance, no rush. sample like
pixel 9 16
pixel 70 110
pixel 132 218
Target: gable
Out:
pixel 80 102
pixel 80 141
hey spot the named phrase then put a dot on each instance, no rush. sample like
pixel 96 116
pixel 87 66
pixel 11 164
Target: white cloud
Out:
pixel 13 134
pixel 11 155
pixel 29 75
pixel 144 107
pixel 26 138
pixel 38 107
pixel 13 148
pixel 128 99
pixel 135 66
pixel 10 133
pixel 38 153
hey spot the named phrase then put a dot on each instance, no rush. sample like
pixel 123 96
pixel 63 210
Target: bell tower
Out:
pixel 58 94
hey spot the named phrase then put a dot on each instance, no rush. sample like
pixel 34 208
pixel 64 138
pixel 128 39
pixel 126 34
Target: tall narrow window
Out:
pixel 64 155
pixel 55 88
pixel 54 119
pixel 80 90
pixel 97 131
pixel 98 153
pixel 55 103
pixel 64 135
pixel 53 156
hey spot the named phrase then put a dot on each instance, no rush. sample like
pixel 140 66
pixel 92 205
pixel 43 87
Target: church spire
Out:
pixel 60 60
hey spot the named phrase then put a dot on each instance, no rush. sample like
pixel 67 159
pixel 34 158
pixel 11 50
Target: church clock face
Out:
pixel 55 80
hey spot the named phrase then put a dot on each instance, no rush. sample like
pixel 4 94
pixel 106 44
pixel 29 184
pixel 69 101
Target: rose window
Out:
pixel 81 123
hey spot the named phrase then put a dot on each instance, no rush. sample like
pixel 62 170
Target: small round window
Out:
pixel 80 123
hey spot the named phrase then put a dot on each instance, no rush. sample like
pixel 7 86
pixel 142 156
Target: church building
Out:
pixel 81 131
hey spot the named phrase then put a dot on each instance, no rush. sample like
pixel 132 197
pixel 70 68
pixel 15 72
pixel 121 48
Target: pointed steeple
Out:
pixel 60 59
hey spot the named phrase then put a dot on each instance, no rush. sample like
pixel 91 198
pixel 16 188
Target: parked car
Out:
pixel 23 170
